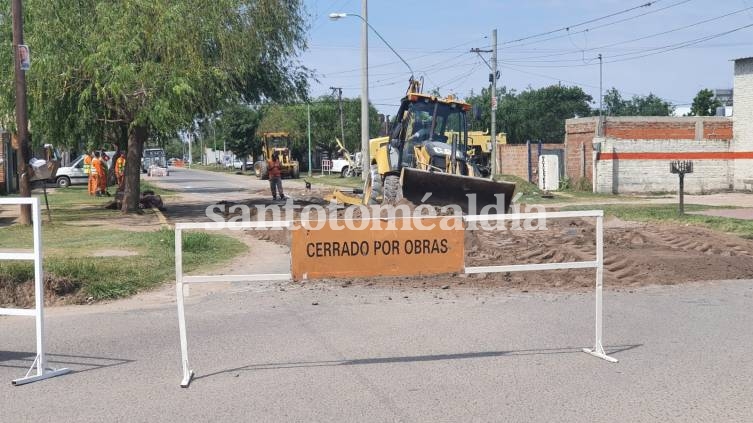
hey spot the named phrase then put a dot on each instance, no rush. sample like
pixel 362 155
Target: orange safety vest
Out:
pixel 120 165
pixel 95 165
pixel 274 168
pixel 87 164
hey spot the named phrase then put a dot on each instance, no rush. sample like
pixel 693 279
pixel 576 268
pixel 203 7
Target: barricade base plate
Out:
pixel 49 373
pixel 599 352
pixel 187 379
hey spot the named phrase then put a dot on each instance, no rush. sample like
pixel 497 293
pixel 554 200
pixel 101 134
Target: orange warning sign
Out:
pixel 381 248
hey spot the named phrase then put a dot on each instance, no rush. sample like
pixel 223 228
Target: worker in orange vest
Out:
pixel 98 173
pixel 275 179
pixel 103 182
pixel 120 170
pixel 88 171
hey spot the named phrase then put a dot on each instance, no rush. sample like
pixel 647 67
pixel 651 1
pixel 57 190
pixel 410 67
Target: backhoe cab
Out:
pixel 427 153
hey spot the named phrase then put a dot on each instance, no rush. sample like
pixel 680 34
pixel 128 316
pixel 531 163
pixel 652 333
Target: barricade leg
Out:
pixel 40 361
pixel 187 372
pixel 598 349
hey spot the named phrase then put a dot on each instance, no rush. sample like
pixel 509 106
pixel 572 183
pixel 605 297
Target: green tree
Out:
pixel 649 105
pixel 238 129
pixel 155 66
pixel 614 104
pixel 534 114
pixel 325 123
pixel 704 103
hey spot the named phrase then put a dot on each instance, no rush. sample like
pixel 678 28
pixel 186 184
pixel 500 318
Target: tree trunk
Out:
pixel 136 139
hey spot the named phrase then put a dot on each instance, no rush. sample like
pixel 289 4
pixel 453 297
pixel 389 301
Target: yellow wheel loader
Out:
pixel 480 149
pixel 425 159
pixel 276 142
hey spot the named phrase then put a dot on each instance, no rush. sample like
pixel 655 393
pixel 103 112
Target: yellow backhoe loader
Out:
pixel 425 159
pixel 277 142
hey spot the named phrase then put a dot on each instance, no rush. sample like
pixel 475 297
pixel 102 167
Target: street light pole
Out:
pixel 365 77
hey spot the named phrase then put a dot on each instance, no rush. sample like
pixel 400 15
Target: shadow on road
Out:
pixel 77 363
pixel 611 350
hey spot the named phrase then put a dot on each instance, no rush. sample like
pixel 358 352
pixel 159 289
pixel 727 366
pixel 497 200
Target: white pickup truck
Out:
pixel 344 168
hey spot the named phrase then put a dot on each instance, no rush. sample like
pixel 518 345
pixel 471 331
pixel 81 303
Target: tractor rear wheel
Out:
pixel 372 190
pixel 261 170
pixel 393 193
pixel 296 170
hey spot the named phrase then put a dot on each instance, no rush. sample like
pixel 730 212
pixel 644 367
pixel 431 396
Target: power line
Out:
pixel 644 53
pixel 685 44
pixel 619 21
pixel 580 84
pixel 414 58
pixel 602 47
pixel 567 28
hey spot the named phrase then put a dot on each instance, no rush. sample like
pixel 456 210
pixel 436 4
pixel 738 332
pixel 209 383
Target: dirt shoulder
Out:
pixel 635 254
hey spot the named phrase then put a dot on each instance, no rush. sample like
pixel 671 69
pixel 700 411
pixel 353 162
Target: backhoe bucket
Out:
pixel 446 189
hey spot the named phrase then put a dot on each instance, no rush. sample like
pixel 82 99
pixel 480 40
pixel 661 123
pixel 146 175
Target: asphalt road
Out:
pixel 266 353
pixel 211 185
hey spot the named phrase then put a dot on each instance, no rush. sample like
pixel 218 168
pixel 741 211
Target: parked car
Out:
pixel 74 174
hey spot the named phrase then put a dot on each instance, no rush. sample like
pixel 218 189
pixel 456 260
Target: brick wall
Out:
pixel 743 119
pixel 579 147
pixel 513 158
pixel 683 134
pixel 717 130
pixel 627 166
pixel 650 129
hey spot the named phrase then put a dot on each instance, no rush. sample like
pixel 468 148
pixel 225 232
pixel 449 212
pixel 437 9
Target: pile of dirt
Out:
pixel 57 291
pixel 634 255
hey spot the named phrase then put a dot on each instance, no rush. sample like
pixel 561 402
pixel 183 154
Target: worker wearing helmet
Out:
pixel 88 171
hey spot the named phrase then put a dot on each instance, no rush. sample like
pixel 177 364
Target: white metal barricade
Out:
pixel 598 264
pixel 40 361
pixel 326 166
pixel 180 280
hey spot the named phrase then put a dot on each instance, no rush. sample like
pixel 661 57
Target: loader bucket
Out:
pixel 446 189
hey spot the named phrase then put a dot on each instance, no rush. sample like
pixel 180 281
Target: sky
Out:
pixel 671 48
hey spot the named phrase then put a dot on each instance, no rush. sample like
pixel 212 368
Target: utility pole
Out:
pixel 493 76
pixel 601 95
pixel 494 103
pixel 22 124
pixel 366 161
pixel 339 92
pixel 601 100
